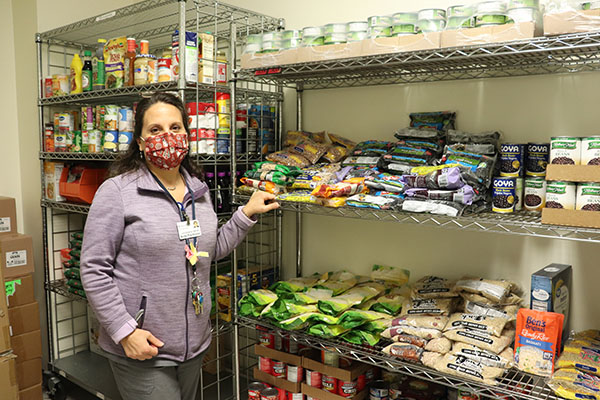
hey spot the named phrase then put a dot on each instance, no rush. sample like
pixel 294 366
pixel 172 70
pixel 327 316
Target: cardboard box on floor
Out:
pixel 19 291
pixel 24 319
pixel 8 377
pixel 573 173
pixel 16 255
pixel 31 393
pixel 490 34
pixel 29 373
pixel 574 21
pixel 27 346
pixel 8 216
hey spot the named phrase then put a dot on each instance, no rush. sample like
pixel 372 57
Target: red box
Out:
pixel 79 184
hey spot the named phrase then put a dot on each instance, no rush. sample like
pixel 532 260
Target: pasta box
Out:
pixel 551 291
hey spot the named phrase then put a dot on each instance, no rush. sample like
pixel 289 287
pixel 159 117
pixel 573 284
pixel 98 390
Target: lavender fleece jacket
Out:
pixel 131 250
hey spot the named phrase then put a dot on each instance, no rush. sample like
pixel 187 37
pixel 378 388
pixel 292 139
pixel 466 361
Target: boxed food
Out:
pixel 281 383
pixel 8 377
pixel 248 279
pixel 27 346
pixel 551 291
pixel 52 173
pixel 573 173
pixel 93 331
pixel 24 319
pixel 582 218
pixel 114 65
pixel 206 68
pixel 259 60
pixel 190 56
pixel 570 21
pixel 490 34
pixel 16 255
pixel 387 45
pixel 31 393
pixel 29 373
pixel 19 291
pixel 329 52
pixel 320 394
pixel 8 215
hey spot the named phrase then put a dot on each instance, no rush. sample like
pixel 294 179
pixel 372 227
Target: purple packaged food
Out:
pixel 447 178
pixel 464 195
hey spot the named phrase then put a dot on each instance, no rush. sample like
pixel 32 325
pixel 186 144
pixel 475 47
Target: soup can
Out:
pixel 111 118
pixel 504 194
pixel 560 195
pixel 565 150
pixel 126 122
pixel 111 141
pixel 295 396
pixel 330 357
pixel 279 369
pixel 254 390
pixel 590 150
pixel 265 364
pixel 267 339
pixel 94 141
pixel 314 379
pixel 269 394
pixel 347 388
pixel 329 384
pixel 125 139
pixel 588 197
pixel 294 373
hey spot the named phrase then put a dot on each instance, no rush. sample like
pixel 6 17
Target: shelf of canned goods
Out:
pixel 513 384
pixel 545 55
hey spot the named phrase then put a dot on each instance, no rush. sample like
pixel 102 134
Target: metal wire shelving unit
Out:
pixel 155 20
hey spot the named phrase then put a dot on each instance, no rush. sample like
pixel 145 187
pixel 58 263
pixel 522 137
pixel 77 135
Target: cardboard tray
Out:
pixel 277 382
pixel 287 358
pixel 387 45
pixel 490 34
pixel 282 57
pixel 325 395
pixel 578 218
pixel 571 22
pixel 355 370
pixel 329 52
pixel 573 173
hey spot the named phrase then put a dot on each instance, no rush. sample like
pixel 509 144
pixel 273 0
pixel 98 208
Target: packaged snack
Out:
pixel 372 148
pixel 335 153
pixel 276 177
pixel 464 195
pixel 319 137
pixel 292 138
pixel 341 141
pixel 476 169
pixel 360 161
pixel 310 150
pixel 432 287
pixel 438 207
pixel 298 196
pixel 439 120
pixel 296 322
pixel 344 188
pixel 481 143
pixel 495 290
pixel 537 341
pixel 424 154
pixel 312 296
pixel 295 284
pixel 255 302
pixel 333 202
pixel 361 337
pixel 386 182
pixel 388 304
pixel 573 384
pixel 395 275
pixel 281 310
pixel 267 166
pixel 288 158
pixel 428 307
pixel 440 345
pixel 369 201
pixel 445 178
pixel 427 135
pixel 505 359
pixel 434 147
pixel 404 351
pixel 482 340
pixel 265 186
pixel 464 367
pixel 491 325
pixel 114 56
pixel 437 322
pixel 312 179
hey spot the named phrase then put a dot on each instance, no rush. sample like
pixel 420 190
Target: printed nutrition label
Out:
pixel 5 224
pixel 16 258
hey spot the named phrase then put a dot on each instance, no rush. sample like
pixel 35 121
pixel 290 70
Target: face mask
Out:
pixel 166 150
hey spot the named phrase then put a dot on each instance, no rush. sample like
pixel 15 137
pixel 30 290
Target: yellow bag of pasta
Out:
pixel 573 384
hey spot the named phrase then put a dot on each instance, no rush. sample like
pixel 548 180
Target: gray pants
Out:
pixel 158 383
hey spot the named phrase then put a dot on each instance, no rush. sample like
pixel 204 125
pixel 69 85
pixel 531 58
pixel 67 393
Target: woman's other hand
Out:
pixel 141 345
pixel 260 203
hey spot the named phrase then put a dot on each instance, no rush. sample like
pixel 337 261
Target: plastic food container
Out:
pixel 268 37
pixel 336 37
pixel 358 26
pixel 404 18
pixel 524 14
pixel 431 25
pixel 253 47
pixel 432 13
pixel 356 36
pixel 290 34
pixel 313 31
pixel 291 43
pixel 378 31
pixel 491 7
pixel 271 45
pixel 254 39
pixel 404 29
pixel 335 28
pixel 313 41
pixel 379 21
pixel 524 3
pixel 459 11
pixel 490 19
pixel 460 22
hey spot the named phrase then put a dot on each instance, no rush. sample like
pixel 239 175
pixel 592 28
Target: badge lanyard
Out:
pixel 191 252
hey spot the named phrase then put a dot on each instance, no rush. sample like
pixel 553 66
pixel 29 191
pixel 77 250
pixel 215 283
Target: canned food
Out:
pixel 265 364
pixel 254 390
pixel 404 29
pixel 356 36
pixel 379 21
pixel 111 119
pixel 291 43
pixel 560 195
pixel 432 13
pixel 431 25
pixel 535 194
pixel 459 11
pixel 389 376
pixel 267 339
pixel 126 122
pixel 377 32
pixel 125 139
pixel 312 31
pixel 489 19
pixel 370 375
pixel 519 194
pixel 524 14
pixel 565 150
pixel 503 194
pixel 330 357
pixel 279 369
pixel 329 384
pixel 512 157
pixel 460 22
pixel 524 3
pixel 94 141
pixel 379 390
pixel 294 373
pixel 87 118
pixel 335 38
pixel 537 159
pixel 590 150
pixel 314 379
pixel 395 391
pixel 588 197
pixel 347 388
pixel 278 343
pixel 269 394
pixel 49 137
pixel 345 362
pixel 291 34
pixel 111 141
pixel 491 7
pixel 313 41
pixel 335 28
pixel 404 18
pixel 361 383
pixel 358 26
pixel 295 396
pixel 152 70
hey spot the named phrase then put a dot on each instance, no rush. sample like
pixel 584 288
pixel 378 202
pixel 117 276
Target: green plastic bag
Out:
pixel 357 295
pixel 394 275
pixel 353 318
pixel 376 326
pixel 296 322
pixel 327 331
pixel 284 169
pixel 255 301
pixel 295 284
pixel 389 304
pixel 359 337
pixel 312 296
pixel 320 318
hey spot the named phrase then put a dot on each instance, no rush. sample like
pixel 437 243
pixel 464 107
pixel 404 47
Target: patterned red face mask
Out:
pixel 166 150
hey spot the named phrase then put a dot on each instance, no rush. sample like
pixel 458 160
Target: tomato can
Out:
pixel 279 369
pixel 267 339
pixel 294 373
pixel 49 137
pixel 295 396
pixel 329 384
pixel 314 379
pixel 254 390
pixel 265 365
pixel 361 383
pixel 269 394
pixel 347 388
pixel 345 362
pixel 164 69
pixel 278 339
pixel 281 394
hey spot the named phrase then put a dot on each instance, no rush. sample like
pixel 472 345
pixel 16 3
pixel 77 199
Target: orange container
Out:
pixel 79 184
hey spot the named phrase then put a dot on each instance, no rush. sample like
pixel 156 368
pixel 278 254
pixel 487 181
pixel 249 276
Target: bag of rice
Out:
pixel 512 299
pixel 404 351
pixel 491 325
pixel 428 307
pixel 424 333
pixel 465 368
pixel 492 289
pixel 310 150
pixel 482 340
pixel 422 321
pixel 440 345
pixel 537 341
pixel 503 360
pixel 431 287
pixel 573 384
pixel 394 275
pixel 507 312
pixel 287 158
pixel 410 339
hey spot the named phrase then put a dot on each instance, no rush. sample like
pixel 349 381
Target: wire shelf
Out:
pixel 60 287
pixel 64 156
pixel 64 206
pixel 519 223
pixel 546 55
pixel 513 383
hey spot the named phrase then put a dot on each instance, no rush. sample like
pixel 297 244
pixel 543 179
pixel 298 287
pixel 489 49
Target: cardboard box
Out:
pixel 4 323
pixel 29 373
pixel 320 394
pixel 571 22
pixel 329 52
pixel 8 216
pixel 551 291
pixel 52 174
pixel 282 57
pixel 16 255
pixel 579 218
pixel 277 382
pixel 19 291
pixel 389 45
pixel 8 377
pixel 24 319
pixel 490 34
pixel 350 374
pixel 93 331
pixel 27 346
pixel 248 279
pixel 31 393
pixel 287 358
pixel 573 173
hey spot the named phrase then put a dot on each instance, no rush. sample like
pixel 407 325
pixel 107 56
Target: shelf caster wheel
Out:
pixel 56 388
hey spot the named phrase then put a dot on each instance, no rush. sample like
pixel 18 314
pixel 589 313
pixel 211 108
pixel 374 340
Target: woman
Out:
pixel 149 240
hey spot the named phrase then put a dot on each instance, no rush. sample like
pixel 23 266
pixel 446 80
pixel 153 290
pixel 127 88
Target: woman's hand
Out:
pixel 141 345
pixel 260 203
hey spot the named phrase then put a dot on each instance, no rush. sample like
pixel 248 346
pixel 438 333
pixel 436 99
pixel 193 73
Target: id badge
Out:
pixel 188 231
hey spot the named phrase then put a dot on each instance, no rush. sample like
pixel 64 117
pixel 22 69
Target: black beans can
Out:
pixel 537 159
pixel 512 159
pixel 504 194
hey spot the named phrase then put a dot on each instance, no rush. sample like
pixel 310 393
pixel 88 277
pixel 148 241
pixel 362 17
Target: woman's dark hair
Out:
pixel 131 160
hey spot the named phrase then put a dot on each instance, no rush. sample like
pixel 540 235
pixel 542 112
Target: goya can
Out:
pixel 537 159
pixel 590 150
pixel 560 195
pixel 279 369
pixel 329 384
pixel 314 379
pixel 534 194
pixel 379 390
pixel 503 194
pixel 565 150
pixel 269 394
pixel 77 143
pixel 588 197
pixel 254 390
pixel 111 141
pixel 512 157
pixel 347 388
